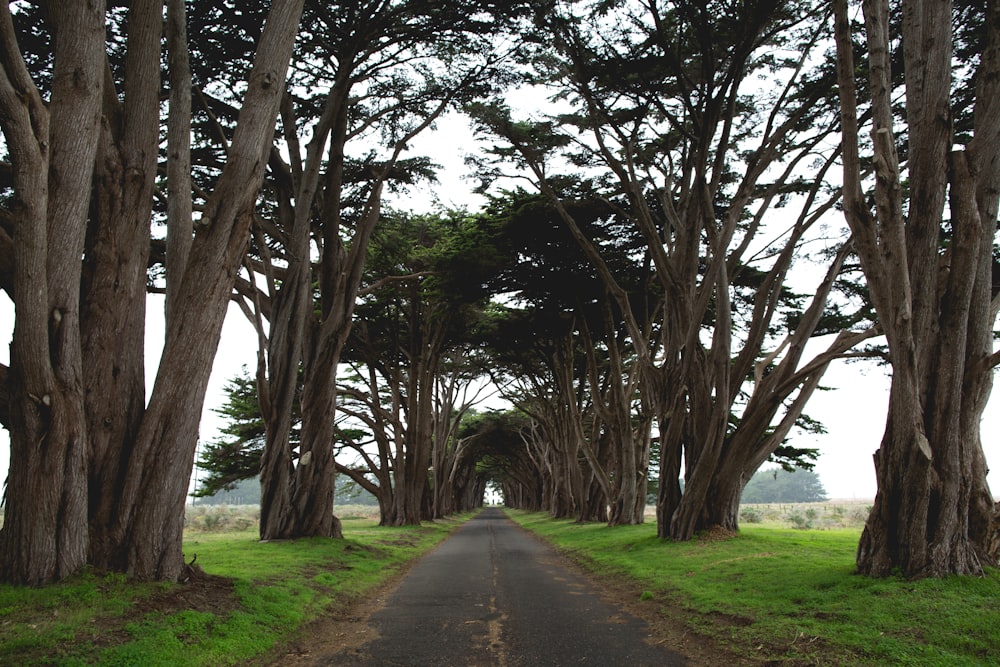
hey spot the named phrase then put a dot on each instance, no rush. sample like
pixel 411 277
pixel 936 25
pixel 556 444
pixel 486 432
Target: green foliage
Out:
pixel 497 444
pixel 781 486
pixel 801 522
pixel 781 596
pixel 235 456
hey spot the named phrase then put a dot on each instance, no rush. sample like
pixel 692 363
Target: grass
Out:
pixel 791 596
pixel 773 594
pixel 258 596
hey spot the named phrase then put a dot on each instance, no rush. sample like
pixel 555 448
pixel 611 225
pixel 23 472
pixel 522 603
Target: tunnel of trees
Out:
pixel 706 206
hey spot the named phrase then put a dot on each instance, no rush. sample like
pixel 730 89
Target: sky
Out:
pixel 853 412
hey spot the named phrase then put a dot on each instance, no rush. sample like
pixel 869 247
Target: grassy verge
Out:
pixel 254 597
pixel 790 596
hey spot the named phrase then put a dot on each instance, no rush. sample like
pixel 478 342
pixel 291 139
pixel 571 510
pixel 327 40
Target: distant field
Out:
pixel 827 514
pixel 229 518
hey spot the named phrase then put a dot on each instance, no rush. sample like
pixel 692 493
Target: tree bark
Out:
pixel 180 205
pixel 933 509
pixel 44 536
pixel 113 311
pixel 291 307
pixel 149 521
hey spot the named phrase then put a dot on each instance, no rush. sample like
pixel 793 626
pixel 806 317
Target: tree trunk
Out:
pixel 52 150
pixel 931 514
pixel 113 311
pixel 292 306
pixel 180 205
pixel 150 517
pixel 315 474
pixel 278 386
pixel 722 509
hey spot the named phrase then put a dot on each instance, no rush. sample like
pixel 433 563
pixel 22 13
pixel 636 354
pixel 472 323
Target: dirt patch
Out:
pixel 714 534
pixel 200 592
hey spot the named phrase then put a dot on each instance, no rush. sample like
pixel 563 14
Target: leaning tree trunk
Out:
pixel 278 385
pixel 150 520
pixel 932 510
pixel 52 150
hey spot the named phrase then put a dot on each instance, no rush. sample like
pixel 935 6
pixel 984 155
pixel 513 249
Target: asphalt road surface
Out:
pixel 492 594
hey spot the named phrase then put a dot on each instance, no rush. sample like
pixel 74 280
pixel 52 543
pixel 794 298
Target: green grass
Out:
pixel 271 591
pixel 791 596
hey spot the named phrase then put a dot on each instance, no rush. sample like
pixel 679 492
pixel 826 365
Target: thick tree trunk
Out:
pixel 593 503
pixel 670 422
pixel 933 510
pixel 276 473
pixel 44 536
pixel 113 311
pixel 315 474
pixel 278 386
pixel 931 515
pixel 151 500
pixel 150 518
pixel 410 487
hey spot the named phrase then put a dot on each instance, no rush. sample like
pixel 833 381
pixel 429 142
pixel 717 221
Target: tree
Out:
pixel 414 358
pixel 438 257
pixel 497 443
pixel 236 455
pixel 784 486
pixel 925 241
pixel 393 68
pixel 140 455
pixel 661 128
pixel 568 339
pixel 52 148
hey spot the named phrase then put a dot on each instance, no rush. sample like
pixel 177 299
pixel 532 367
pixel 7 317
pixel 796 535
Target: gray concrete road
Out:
pixel 494 595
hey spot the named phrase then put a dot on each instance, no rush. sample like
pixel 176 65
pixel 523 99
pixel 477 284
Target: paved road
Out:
pixel 494 595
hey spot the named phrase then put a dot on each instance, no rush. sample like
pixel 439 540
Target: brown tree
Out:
pixel 113 308
pixel 388 80
pixel 935 301
pixel 141 457
pixel 414 368
pixel 690 162
pixel 548 383
pixel 52 145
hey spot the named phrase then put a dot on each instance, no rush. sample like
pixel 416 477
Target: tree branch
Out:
pixel 379 284
pixel 4 397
